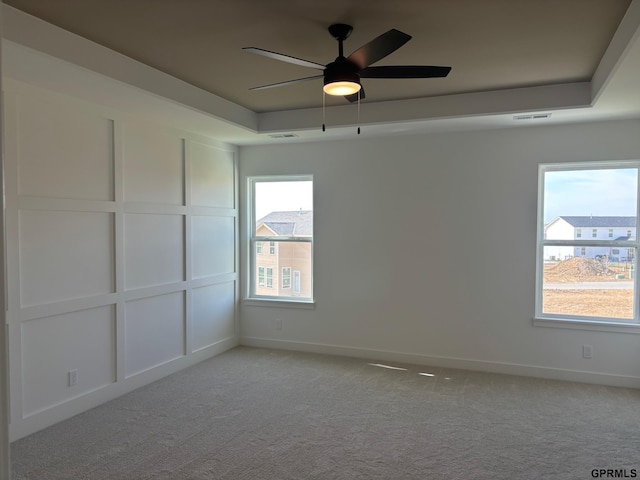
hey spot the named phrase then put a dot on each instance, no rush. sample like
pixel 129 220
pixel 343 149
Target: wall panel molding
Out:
pixel 112 229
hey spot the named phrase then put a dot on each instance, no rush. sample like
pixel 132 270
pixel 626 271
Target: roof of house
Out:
pixel 590 221
pixel 293 223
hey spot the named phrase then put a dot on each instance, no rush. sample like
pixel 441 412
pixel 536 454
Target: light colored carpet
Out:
pixel 254 414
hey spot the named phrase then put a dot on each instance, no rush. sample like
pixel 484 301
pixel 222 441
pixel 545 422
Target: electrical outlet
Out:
pixel 278 324
pixel 587 351
pixel 73 377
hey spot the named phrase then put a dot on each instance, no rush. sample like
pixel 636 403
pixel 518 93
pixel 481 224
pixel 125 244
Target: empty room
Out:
pixel 324 240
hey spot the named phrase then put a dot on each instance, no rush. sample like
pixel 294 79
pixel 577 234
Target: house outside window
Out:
pixel 281 214
pixel 588 282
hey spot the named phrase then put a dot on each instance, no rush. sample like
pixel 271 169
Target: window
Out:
pixel 269 277
pixel 296 281
pixel 258 247
pixel 286 277
pixel 261 276
pixel 581 280
pixel 281 214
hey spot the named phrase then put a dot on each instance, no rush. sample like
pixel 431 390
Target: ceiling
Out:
pixel 491 45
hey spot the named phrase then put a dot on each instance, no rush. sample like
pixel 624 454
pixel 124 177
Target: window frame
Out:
pixel 252 297
pixel 582 322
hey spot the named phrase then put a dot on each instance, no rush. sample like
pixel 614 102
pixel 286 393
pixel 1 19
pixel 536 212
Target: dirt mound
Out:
pixel 579 269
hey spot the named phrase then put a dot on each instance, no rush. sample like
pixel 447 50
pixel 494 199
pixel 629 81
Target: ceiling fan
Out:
pixel 342 76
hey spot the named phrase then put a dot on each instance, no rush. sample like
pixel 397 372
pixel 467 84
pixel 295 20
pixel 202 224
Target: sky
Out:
pixel 603 192
pixel 283 196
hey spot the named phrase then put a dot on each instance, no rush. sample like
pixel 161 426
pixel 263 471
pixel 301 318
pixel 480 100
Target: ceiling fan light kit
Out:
pixel 341 88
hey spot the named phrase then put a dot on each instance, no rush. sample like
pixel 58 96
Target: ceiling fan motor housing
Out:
pixel 341 70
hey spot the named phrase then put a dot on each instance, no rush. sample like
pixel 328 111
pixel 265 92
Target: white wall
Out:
pixel 425 251
pixel 121 252
pixel 4 356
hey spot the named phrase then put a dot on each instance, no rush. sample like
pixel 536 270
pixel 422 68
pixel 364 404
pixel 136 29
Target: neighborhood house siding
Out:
pixel 293 255
pixel 585 228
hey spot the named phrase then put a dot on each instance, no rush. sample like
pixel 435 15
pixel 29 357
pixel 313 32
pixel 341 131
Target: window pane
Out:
pixel 596 283
pixel 283 222
pixel 590 204
pixel 291 281
pixel 284 208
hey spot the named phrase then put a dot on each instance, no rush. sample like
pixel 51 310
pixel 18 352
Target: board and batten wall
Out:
pixel 121 254
pixel 425 251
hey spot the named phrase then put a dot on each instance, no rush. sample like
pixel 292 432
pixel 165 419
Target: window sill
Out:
pixel 279 303
pixel 616 327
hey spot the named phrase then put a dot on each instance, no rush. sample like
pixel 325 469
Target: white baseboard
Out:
pixel 448 362
pixel 74 406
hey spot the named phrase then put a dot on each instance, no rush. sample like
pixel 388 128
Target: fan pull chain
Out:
pixel 358 112
pixel 324 128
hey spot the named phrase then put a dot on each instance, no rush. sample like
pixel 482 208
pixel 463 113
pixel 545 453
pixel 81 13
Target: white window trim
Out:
pixel 251 297
pixel 576 321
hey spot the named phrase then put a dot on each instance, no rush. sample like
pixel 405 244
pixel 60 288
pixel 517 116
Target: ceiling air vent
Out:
pixel 283 135
pixel 535 116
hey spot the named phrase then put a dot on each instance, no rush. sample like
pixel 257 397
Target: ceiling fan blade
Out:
pixel 378 48
pixel 288 82
pixel 284 58
pixel 405 71
pixel 354 96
